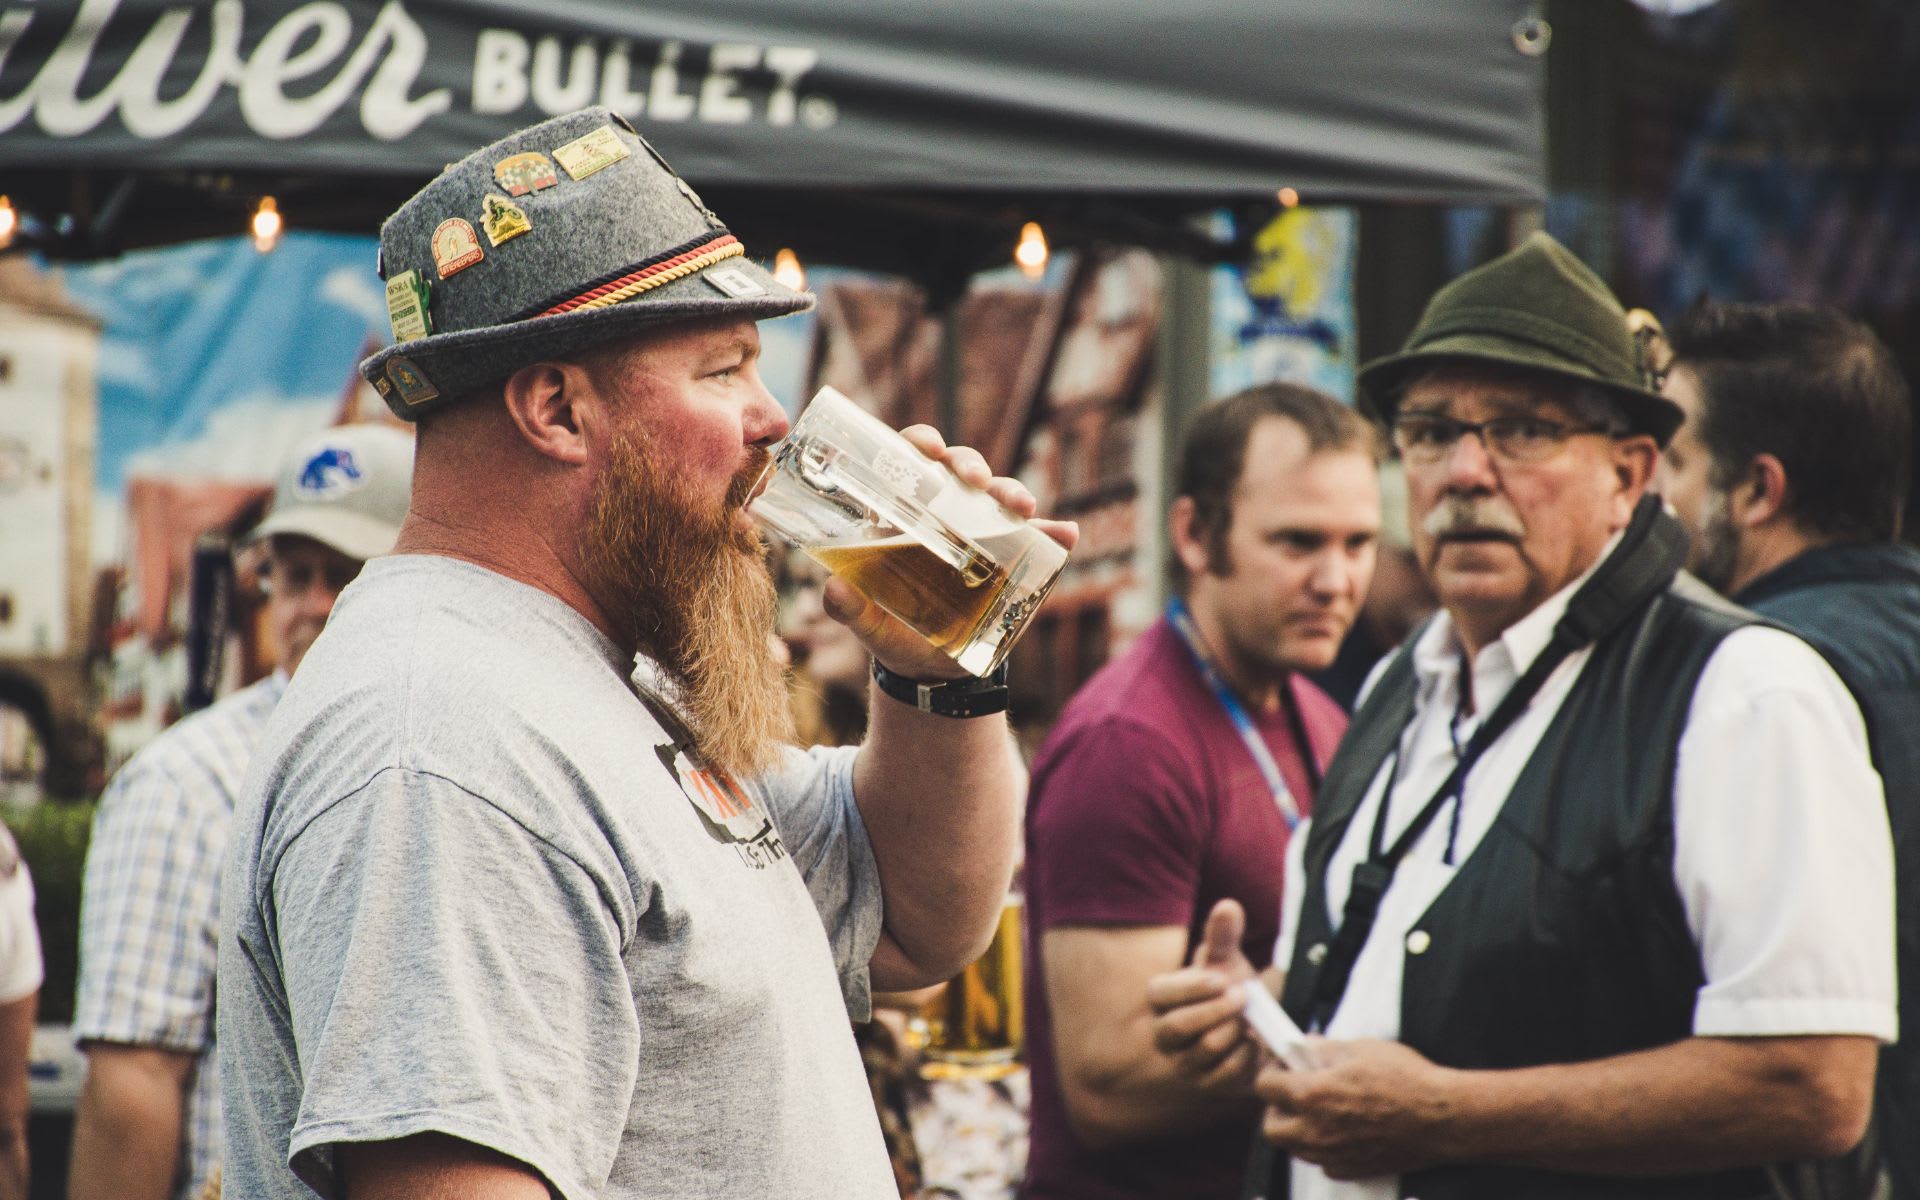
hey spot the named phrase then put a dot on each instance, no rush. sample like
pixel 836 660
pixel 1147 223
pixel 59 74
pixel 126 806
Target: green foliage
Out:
pixel 53 839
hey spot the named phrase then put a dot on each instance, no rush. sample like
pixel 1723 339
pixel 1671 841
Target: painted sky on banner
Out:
pixel 211 349
pixel 215 358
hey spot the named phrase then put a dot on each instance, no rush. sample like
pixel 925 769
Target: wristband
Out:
pixel 969 697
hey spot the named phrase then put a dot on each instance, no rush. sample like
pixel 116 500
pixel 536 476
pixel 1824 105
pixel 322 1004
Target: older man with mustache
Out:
pixel 1597 900
pixel 507 917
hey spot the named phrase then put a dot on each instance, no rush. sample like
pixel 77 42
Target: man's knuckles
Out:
pixel 1173 1035
pixel 1184 988
pixel 926 439
pixel 1221 1038
pixel 1182 1027
pixel 970 465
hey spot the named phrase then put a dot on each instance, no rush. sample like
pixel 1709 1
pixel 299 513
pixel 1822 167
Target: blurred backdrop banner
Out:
pixel 1356 98
pixel 159 391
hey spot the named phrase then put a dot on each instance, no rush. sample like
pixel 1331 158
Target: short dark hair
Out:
pixel 1214 451
pixel 1817 390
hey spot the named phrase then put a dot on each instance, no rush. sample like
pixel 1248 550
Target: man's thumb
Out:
pixel 1220 942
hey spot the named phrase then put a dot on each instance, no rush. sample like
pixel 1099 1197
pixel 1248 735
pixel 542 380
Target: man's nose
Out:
pixel 764 422
pixel 1469 465
pixel 1331 574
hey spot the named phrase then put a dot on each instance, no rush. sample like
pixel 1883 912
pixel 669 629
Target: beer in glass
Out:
pixel 947 559
pixel 976 1027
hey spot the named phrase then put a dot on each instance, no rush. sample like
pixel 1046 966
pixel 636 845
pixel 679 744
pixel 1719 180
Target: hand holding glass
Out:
pixel 945 558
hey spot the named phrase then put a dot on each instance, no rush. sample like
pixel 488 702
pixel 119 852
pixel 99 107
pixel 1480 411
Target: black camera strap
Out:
pixel 1651 552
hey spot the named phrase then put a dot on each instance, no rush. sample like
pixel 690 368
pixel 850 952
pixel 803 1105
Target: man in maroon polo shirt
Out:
pixel 1173 781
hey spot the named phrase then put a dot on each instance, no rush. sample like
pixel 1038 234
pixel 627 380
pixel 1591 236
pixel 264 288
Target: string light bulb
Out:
pixel 266 225
pixel 1031 252
pixel 1288 197
pixel 787 270
pixel 9 221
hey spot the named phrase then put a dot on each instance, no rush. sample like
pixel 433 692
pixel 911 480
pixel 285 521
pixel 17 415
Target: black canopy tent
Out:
pixel 907 135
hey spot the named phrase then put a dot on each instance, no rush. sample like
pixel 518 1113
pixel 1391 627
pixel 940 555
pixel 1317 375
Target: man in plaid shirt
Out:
pixel 148 1125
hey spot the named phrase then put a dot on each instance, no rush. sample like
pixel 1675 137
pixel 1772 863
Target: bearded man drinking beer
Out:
pixel 504 921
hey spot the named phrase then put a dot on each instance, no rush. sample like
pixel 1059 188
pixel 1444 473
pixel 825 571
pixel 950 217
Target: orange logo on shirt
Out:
pixel 717 794
pixel 726 809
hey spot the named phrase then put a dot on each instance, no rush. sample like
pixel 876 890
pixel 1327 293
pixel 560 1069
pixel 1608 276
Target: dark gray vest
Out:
pixel 1562 937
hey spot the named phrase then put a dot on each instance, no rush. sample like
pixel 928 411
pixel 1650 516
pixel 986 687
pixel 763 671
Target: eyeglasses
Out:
pixel 1427 438
pixel 281 578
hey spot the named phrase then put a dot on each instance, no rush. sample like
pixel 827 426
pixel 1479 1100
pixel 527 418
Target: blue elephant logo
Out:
pixel 331 470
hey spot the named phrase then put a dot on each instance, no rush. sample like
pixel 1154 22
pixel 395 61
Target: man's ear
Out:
pixel 547 402
pixel 1760 498
pixel 1189 542
pixel 1634 459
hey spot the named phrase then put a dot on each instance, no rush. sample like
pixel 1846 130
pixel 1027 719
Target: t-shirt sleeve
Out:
pixel 21 971
pixel 1117 832
pixel 1781 848
pixel 811 798
pixel 149 916
pixel 448 971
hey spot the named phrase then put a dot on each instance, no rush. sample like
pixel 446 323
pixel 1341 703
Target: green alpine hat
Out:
pixel 1536 307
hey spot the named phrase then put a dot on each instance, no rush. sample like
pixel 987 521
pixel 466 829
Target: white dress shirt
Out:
pixel 1782 852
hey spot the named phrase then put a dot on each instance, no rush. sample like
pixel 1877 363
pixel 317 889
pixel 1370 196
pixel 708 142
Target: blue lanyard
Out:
pixel 1182 622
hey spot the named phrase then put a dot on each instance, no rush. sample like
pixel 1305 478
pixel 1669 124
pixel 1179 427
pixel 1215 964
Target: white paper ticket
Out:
pixel 1278 1030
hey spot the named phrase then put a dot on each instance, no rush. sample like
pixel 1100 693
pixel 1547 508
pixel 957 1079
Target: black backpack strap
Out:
pixel 1651 552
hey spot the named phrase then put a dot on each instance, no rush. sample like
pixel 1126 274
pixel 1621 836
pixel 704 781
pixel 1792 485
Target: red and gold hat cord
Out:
pixel 647 278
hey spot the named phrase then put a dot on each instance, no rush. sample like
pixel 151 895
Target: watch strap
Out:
pixel 969 697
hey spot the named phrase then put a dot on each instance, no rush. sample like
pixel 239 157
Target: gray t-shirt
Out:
pixel 477 886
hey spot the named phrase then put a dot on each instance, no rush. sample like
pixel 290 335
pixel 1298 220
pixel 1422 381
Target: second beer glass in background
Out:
pixel 945 558
pixel 976 1024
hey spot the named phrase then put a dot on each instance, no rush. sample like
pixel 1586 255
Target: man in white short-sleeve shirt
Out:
pixel 21 973
pixel 1630 930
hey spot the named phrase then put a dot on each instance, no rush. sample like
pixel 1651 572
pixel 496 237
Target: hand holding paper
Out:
pixel 1287 1041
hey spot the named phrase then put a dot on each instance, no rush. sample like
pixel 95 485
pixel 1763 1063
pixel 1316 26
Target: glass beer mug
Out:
pixel 976 1028
pixel 945 558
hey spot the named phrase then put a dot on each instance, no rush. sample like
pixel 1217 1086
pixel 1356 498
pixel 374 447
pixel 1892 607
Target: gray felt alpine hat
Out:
pixel 551 240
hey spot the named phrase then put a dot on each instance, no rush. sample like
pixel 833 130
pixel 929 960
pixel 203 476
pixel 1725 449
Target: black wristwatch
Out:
pixel 969 697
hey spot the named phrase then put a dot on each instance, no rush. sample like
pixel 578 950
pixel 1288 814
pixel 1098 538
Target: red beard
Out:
pixel 691 590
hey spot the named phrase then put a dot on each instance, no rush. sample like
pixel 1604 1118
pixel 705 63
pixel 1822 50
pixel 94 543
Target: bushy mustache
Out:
pixel 1467 516
pixel 740 490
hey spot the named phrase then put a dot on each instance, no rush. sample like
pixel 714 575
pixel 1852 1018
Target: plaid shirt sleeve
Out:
pixel 149 917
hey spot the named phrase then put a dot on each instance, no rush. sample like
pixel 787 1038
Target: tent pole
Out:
pixel 946 371
pixel 1181 362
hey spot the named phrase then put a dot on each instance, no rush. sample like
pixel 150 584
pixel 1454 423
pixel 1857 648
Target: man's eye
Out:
pixel 1528 430
pixel 1427 433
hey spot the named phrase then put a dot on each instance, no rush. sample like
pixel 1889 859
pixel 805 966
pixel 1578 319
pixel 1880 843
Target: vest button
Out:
pixel 1418 941
pixel 1317 953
